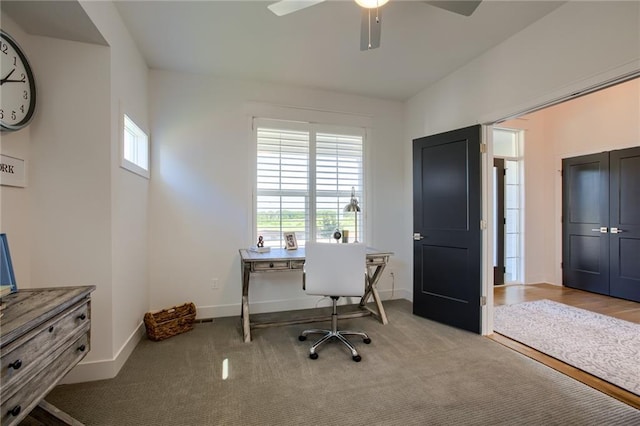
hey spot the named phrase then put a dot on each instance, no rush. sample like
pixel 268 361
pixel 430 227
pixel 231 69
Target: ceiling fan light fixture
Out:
pixel 371 4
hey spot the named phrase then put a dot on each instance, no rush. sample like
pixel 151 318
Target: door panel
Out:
pixel 447 211
pixel 625 223
pixel 585 249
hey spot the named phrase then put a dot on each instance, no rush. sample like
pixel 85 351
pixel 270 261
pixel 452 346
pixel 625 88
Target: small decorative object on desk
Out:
pixel 169 322
pixel 290 242
pixel 259 247
pixel 345 235
pixel 337 235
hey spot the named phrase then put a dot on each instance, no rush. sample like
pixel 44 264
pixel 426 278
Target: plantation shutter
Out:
pixel 304 176
pixel 339 168
pixel 282 191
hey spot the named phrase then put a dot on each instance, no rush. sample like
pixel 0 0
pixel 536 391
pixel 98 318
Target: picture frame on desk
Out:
pixel 290 242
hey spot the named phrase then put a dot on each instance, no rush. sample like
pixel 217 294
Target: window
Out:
pixel 135 148
pixel 304 177
pixel 506 144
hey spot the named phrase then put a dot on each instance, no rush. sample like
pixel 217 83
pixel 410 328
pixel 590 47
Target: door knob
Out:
pixel 602 229
pixel 616 230
pixel 417 236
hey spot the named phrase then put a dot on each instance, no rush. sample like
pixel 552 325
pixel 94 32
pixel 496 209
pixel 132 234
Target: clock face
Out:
pixel 17 86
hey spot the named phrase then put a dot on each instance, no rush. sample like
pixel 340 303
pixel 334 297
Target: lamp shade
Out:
pixel 371 4
pixel 352 207
pixel 353 203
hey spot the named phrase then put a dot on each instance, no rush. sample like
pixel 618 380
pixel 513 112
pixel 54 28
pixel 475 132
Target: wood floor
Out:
pixel 618 308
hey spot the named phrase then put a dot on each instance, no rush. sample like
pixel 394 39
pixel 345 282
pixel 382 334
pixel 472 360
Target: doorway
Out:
pixel 603 120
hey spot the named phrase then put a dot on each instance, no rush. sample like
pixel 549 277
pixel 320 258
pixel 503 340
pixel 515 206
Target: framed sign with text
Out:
pixel 12 171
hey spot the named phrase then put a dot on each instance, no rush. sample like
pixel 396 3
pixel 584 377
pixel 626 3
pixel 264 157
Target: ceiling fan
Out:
pixel 371 18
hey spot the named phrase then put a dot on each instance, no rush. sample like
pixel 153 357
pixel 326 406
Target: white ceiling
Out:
pixel 318 47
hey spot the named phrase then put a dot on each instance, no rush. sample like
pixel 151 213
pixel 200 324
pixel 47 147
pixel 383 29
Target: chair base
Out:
pixel 334 333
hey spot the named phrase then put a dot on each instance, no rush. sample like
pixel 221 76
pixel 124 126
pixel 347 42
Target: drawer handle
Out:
pixel 15 410
pixel 82 348
pixel 82 317
pixel 16 364
pixel 51 329
pixel 271 265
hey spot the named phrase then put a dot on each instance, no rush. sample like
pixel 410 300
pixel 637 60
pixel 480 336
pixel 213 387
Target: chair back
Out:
pixel 335 269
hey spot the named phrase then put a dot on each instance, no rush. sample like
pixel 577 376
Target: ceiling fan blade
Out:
pixel 462 7
pixel 285 7
pixel 370 29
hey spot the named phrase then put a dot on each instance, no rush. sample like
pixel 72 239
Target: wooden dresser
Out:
pixel 44 333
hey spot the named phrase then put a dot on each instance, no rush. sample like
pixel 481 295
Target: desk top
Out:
pixel 28 308
pixel 282 254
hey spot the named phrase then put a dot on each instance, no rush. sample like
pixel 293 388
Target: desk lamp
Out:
pixel 355 208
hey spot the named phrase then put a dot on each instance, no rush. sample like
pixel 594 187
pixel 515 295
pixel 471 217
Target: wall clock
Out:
pixel 17 86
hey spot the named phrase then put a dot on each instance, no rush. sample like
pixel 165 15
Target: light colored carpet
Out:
pixel 606 347
pixel 415 372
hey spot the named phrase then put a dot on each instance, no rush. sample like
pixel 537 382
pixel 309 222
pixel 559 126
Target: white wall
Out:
pixel 82 220
pixel 14 201
pixel 578 45
pixel 201 203
pixel 129 192
pixel 65 224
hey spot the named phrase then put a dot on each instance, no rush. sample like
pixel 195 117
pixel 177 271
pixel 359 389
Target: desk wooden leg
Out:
pixel 246 325
pixel 376 298
pixel 371 290
pixel 50 415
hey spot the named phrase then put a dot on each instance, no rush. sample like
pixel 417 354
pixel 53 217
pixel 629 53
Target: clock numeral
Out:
pixel 13 115
pixel 22 77
pixel 25 95
pixel 15 63
pixel 1 114
pixel 4 47
pixel 22 109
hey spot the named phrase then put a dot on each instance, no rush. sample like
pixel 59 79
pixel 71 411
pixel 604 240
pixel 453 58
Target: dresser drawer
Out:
pixel 277 265
pixel 18 405
pixel 19 359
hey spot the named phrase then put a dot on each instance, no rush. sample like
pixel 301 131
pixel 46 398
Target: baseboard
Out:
pixel 108 368
pixel 307 302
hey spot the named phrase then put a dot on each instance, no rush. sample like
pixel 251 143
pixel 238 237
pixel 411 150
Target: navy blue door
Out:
pixel 447 240
pixel 624 232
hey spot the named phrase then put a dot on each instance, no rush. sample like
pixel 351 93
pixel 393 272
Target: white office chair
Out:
pixel 334 270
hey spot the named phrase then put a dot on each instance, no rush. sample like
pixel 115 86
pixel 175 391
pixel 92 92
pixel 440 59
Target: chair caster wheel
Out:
pixel 302 338
pixel 357 358
pixel 367 340
pixel 313 356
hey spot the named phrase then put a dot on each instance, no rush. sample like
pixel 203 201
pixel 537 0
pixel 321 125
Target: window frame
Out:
pixel 313 128
pixel 128 124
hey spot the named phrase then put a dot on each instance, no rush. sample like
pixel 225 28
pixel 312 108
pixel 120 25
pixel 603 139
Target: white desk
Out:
pixel 285 260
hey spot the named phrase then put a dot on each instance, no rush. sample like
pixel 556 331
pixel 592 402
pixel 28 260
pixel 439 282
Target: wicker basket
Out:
pixel 169 322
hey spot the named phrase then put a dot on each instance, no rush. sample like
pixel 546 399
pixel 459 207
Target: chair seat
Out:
pixel 335 270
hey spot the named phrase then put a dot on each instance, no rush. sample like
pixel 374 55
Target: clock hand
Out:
pixel 12 81
pixel 7 77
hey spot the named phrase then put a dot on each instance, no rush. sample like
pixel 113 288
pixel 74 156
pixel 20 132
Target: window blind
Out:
pixel 282 184
pixel 304 180
pixel 338 170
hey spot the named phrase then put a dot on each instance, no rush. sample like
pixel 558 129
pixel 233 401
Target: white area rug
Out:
pixel 606 347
